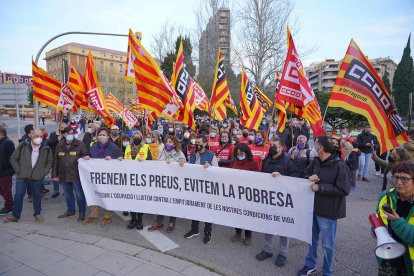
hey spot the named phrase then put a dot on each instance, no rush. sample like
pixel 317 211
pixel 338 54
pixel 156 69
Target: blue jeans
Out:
pixel 21 186
pixel 283 244
pixel 363 163
pixel 68 188
pixel 56 186
pixel 327 227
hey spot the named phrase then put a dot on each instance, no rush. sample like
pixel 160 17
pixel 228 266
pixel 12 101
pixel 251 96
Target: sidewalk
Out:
pixel 27 249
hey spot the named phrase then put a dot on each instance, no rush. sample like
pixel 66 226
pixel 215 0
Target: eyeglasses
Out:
pixel 403 179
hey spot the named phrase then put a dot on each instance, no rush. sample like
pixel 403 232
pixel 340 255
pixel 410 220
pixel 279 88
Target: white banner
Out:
pixel 249 200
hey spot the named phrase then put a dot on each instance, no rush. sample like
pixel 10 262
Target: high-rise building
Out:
pixel 109 65
pixel 216 35
pixel 322 75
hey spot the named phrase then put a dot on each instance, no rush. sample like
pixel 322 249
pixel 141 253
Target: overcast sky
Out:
pixel 379 27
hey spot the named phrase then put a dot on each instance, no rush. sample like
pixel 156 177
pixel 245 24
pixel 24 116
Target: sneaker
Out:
pixel 81 217
pixel 378 173
pixel 365 179
pixel 207 238
pixel 65 215
pixel 39 218
pixel 236 238
pixel 11 219
pixel 140 226
pixel 280 260
pixel 305 271
pixel 247 241
pixel 125 213
pixel 4 211
pixel 263 256
pixel 191 234
pixel 55 194
pixel 156 227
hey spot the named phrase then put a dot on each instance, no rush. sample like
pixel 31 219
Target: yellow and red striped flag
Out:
pixel 202 102
pixel 359 89
pixel 251 109
pixel 263 99
pixel 230 104
pixel 295 90
pixel 94 92
pixel 220 91
pixel 183 85
pixel 46 89
pixel 77 83
pixel 153 88
pixel 121 110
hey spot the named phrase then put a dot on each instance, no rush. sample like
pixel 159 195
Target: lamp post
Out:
pixel 35 103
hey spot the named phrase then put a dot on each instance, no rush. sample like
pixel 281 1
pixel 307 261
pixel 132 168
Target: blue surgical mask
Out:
pixel 69 137
pixel 241 157
pixel 148 140
pixel 213 134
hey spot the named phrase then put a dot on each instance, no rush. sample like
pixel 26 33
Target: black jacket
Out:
pixel 65 165
pixel 6 151
pixel 364 138
pixel 282 164
pixel 334 186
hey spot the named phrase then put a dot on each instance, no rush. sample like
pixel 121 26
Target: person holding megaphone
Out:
pixel 396 211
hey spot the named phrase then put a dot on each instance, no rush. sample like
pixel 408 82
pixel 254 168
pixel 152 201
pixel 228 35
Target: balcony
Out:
pixel 329 77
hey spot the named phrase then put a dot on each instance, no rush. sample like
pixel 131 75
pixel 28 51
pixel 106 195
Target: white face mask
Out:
pixel 251 137
pixel 171 129
pixel 125 144
pixel 37 141
pixel 89 130
pixel 186 135
pixel 192 141
pixel 148 140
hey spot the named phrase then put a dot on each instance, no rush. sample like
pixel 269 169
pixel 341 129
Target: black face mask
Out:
pixel 272 151
pixel 199 147
pixel 245 135
pixel 390 159
pixel 137 141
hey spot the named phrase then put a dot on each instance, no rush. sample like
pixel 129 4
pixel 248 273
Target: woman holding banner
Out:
pixel 225 150
pixel 139 151
pixel 171 153
pixel 243 161
pixel 107 150
pixel 259 147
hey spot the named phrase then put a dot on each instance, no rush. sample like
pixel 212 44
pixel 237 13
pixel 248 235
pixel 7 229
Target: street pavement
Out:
pixel 354 251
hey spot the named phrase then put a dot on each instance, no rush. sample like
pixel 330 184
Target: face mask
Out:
pixel 89 130
pixel 125 144
pixel 251 137
pixel 171 130
pixel 241 157
pixel 186 135
pixel 69 138
pixel 148 140
pixel 224 125
pixel 137 141
pixel 177 129
pixel 258 140
pixel 233 142
pixel 238 136
pixel 245 135
pixel 263 123
pixel 199 147
pixel 115 133
pixel 235 132
pixel 169 147
pixel 102 139
pixel 192 141
pixel 318 150
pixel 272 150
pixel 37 141
pixel 225 140
pixel 213 135
pixel 344 135
pixel 300 145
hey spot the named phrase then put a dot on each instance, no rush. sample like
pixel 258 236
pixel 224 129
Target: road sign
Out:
pixel 8 94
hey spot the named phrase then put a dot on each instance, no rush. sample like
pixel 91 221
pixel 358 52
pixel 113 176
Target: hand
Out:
pixel 120 158
pixel 55 178
pixel 274 174
pixel 262 156
pixel 394 216
pixel 181 162
pixel 314 178
pixel 314 187
pixel 140 159
pixel 206 165
pixel 108 158
pixel 87 157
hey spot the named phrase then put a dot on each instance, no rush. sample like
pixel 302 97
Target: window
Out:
pixel 102 65
pixel 83 51
pixel 111 67
pixel 120 68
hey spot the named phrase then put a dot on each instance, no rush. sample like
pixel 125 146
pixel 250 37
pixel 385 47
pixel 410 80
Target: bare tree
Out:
pixel 261 38
pixel 164 41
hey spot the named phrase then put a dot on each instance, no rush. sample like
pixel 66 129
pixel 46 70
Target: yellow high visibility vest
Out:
pixel 143 153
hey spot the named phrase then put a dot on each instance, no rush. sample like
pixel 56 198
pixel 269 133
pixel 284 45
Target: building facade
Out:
pixel 216 35
pixel 109 65
pixel 322 75
pixel 15 78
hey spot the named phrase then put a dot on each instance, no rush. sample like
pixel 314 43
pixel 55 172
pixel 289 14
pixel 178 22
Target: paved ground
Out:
pixel 354 244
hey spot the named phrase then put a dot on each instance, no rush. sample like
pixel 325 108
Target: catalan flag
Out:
pixel 77 83
pixel 94 92
pixel 295 90
pixel 183 85
pixel 46 89
pixel 153 88
pixel 202 102
pixel 252 111
pixel 121 110
pixel 263 99
pixel 220 91
pixel 359 89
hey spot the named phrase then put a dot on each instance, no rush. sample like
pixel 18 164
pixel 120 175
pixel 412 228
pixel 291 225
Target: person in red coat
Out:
pixel 225 150
pixel 213 139
pixel 260 147
pixel 243 161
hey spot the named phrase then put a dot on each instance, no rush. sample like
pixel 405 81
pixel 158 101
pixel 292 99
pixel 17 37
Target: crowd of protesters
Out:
pixel 333 166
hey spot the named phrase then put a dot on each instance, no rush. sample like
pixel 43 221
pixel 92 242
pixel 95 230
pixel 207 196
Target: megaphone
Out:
pixel 387 248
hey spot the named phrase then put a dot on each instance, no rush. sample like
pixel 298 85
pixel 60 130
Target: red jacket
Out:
pixel 257 151
pixel 224 154
pixel 248 165
pixel 213 143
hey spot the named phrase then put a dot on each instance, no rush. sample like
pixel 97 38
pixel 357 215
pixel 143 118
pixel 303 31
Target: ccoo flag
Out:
pixel 295 90
pixel 221 93
pixel 252 111
pixel 202 102
pixel 359 89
